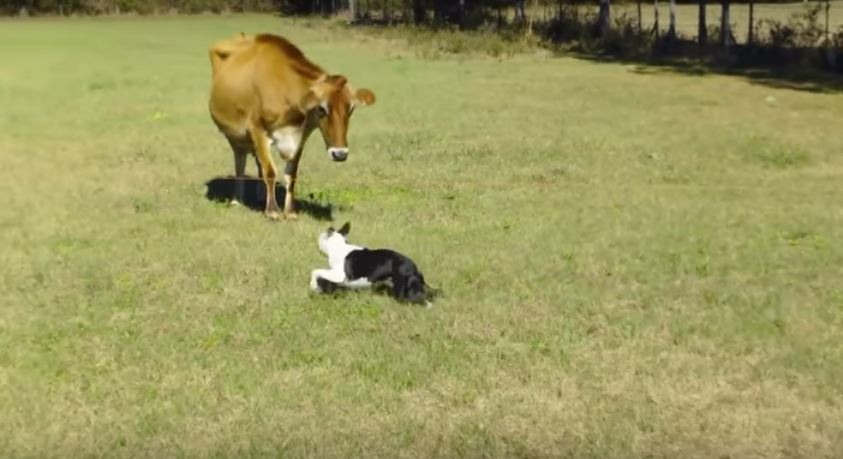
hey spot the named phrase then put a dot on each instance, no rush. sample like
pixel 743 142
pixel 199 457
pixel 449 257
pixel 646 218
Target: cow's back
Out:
pixel 256 78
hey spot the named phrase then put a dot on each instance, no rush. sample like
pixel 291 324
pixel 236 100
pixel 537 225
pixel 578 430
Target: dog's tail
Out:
pixel 414 289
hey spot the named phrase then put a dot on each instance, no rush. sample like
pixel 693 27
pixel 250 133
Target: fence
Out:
pixel 743 17
pixel 760 18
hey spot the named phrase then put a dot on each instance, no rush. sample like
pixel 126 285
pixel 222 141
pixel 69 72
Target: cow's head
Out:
pixel 332 101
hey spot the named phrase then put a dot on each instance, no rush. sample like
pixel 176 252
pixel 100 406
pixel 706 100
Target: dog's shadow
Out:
pixel 335 290
pixel 223 189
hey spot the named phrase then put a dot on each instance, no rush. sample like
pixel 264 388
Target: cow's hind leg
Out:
pixel 240 155
pixel 267 167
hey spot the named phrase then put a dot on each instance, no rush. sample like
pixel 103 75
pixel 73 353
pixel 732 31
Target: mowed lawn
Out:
pixel 634 263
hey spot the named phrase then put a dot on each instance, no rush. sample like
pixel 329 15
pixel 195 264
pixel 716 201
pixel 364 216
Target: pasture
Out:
pixel 635 263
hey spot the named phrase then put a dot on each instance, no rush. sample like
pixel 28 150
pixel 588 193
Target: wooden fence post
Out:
pixel 639 16
pixel 656 22
pixel 827 9
pixel 750 38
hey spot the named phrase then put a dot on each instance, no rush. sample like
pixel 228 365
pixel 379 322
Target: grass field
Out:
pixel 634 263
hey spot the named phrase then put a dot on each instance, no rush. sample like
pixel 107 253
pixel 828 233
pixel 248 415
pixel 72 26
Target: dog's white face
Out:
pixel 332 240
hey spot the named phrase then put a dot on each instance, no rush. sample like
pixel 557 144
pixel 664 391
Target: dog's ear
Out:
pixel 345 229
pixel 330 230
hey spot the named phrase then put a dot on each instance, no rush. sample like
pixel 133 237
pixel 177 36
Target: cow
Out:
pixel 266 94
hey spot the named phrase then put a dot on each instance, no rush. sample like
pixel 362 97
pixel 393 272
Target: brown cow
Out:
pixel 266 93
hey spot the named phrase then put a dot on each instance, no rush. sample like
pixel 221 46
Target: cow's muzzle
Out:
pixel 338 154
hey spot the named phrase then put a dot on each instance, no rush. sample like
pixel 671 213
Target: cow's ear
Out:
pixel 337 80
pixel 364 97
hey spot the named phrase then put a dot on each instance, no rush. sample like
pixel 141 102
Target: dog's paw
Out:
pixel 325 286
pixel 314 285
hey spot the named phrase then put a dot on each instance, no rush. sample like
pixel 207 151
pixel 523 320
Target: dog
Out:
pixel 355 267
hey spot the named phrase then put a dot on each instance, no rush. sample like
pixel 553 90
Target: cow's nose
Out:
pixel 338 154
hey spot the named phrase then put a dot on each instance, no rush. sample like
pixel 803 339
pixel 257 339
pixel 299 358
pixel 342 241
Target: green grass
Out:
pixel 633 264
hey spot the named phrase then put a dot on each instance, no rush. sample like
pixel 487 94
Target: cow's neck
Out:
pixel 288 135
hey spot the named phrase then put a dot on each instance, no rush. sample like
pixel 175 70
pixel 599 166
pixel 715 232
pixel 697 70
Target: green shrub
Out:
pixel 837 39
pixel 803 28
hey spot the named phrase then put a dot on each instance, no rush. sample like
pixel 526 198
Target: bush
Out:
pixel 714 32
pixel 837 39
pixel 571 24
pixel 623 37
pixel 802 29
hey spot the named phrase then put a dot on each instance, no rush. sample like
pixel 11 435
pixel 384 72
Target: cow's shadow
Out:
pixel 223 189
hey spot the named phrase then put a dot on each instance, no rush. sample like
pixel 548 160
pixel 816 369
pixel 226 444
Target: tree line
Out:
pixel 470 14
pixel 419 10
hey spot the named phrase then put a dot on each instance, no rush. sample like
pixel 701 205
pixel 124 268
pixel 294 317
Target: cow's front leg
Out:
pixel 258 167
pixel 290 174
pixel 267 167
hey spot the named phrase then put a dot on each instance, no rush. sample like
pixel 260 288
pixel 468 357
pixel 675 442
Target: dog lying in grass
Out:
pixel 355 267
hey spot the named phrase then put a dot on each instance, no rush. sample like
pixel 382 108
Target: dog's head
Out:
pixel 416 289
pixel 331 239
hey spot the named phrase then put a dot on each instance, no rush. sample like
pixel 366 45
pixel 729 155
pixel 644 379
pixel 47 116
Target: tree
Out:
pixel 702 29
pixel 638 2
pixel 418 11
pixel 671 31
pixel 440 10
pixel 656 19
pixel 725 25
pixel 530 18
pixel 520 14
pixel 603 19
pixel 750 38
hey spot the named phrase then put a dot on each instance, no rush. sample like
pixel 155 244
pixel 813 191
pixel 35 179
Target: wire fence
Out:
pixel 743 17
pixel 791 23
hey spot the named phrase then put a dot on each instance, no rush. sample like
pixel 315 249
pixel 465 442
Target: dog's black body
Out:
pixel 383 264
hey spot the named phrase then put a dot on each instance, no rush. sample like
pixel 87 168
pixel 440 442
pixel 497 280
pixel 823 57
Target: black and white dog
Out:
pixel 353 267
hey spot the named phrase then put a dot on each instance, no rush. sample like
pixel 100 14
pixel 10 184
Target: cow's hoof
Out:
pixel 291 216
pixel 273 215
